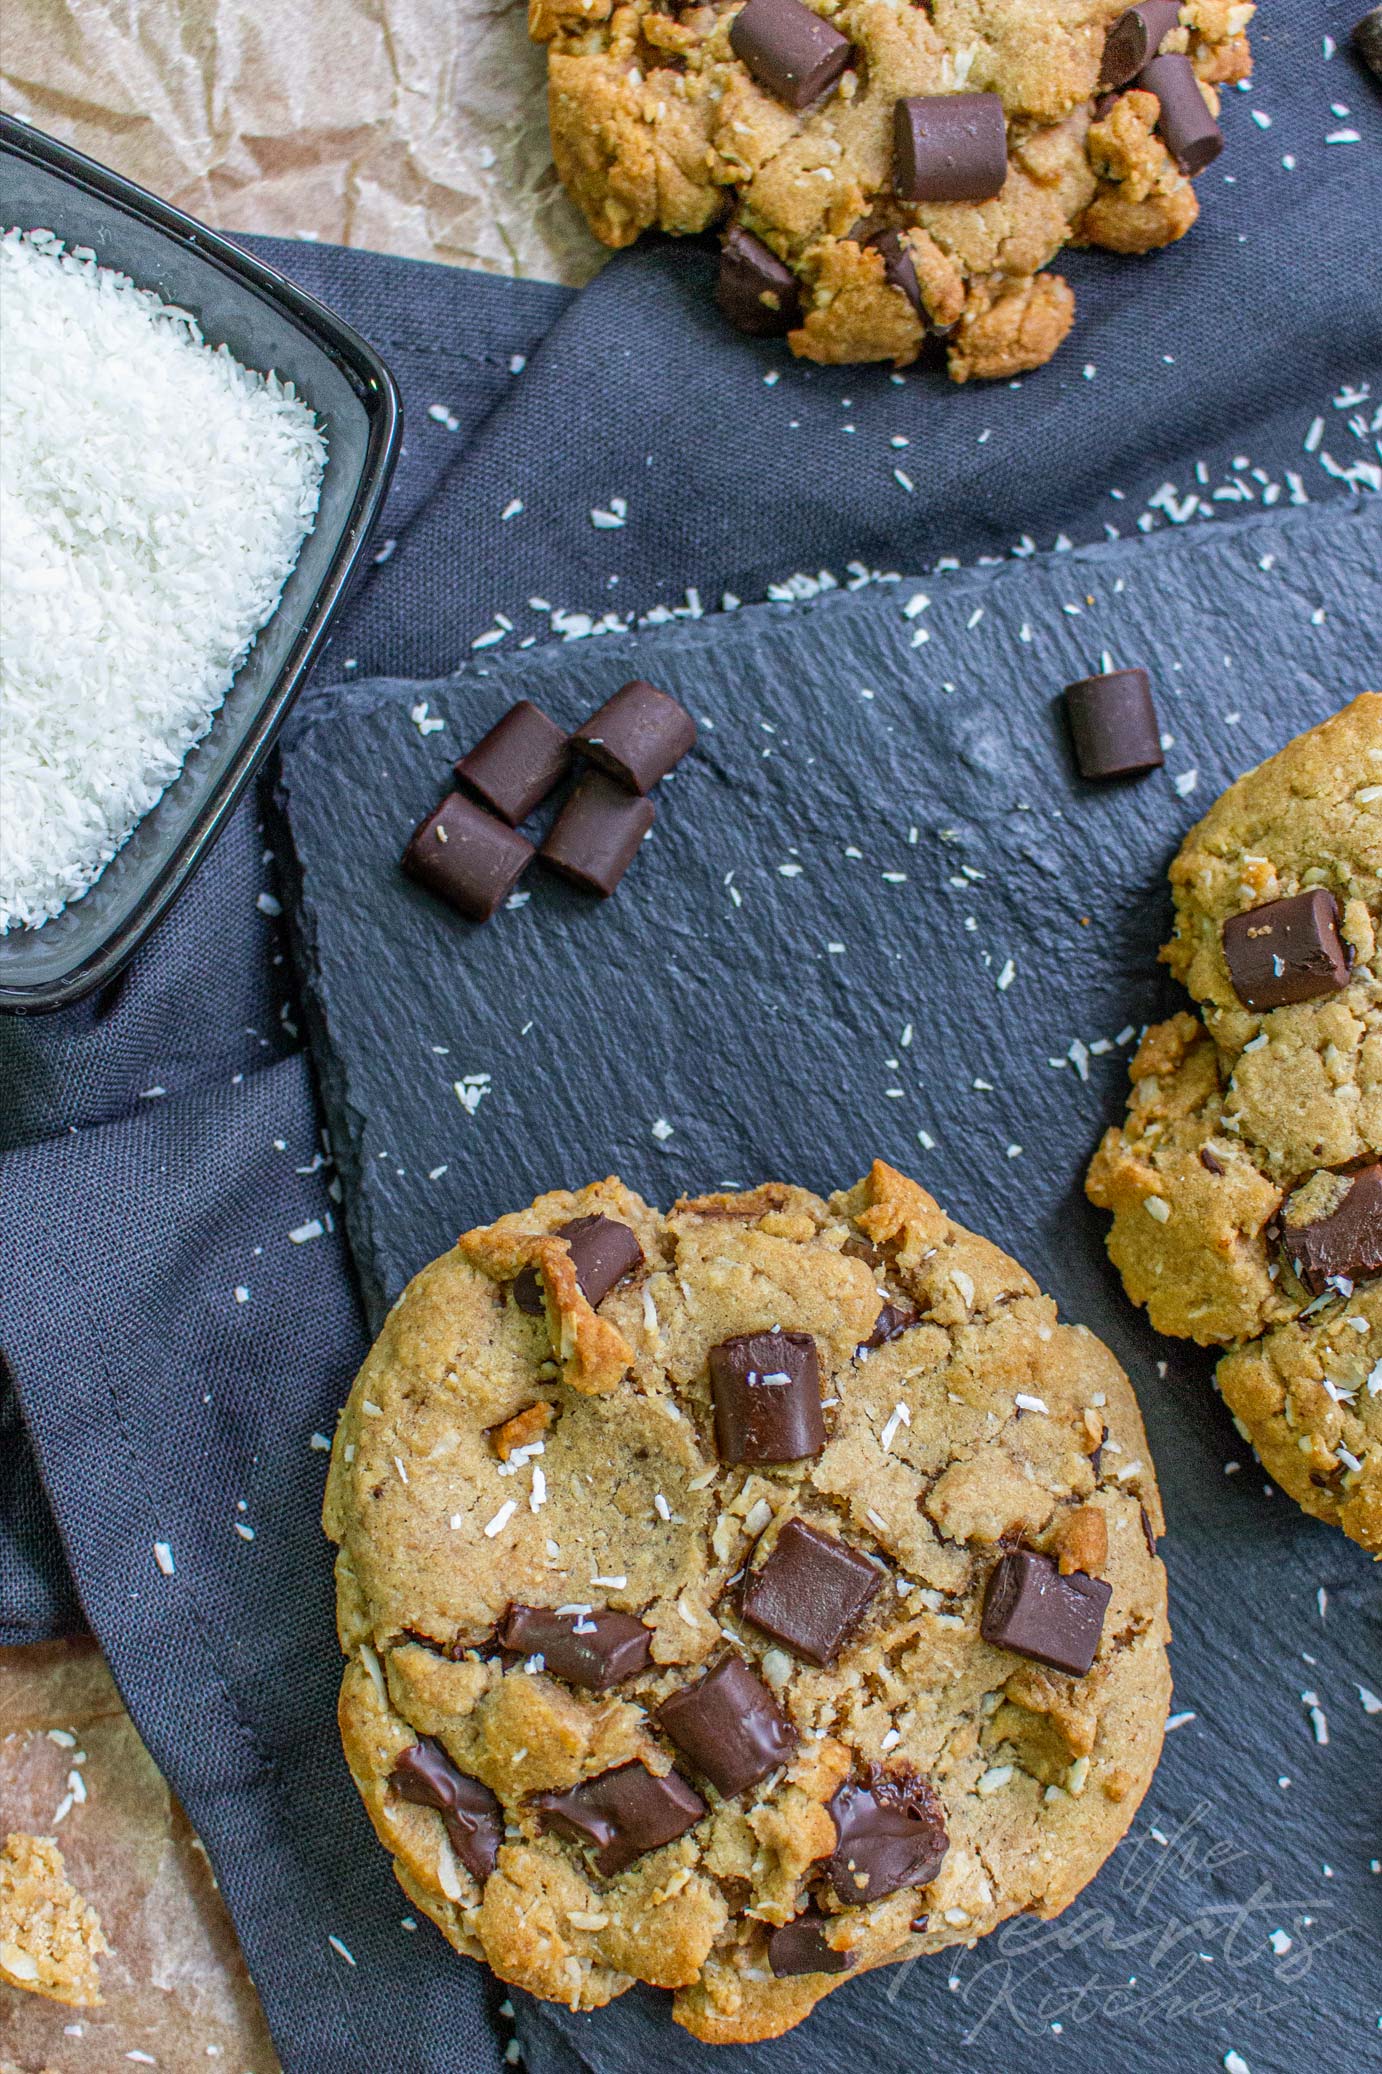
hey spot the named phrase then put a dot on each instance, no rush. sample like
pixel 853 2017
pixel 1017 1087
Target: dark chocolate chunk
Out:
pixel 810 1592
pixel 595 837
pixel 595 1650
pixel 899 270
pixel 602 1252
pixel 1030 1608
pixel 897 1316
pixel 622 1813
pixel 1135 38
pixel 891 1833
pixel 1189 131
pixel 1210 1163
pixel 755 291
pixel 472 1816
pixel 949 148
pixel 1346 1246
pixel 1113 724
pixel 730 1727
pixel 767 1391
pixel 638 735
pixel 792 52
pixel 466 856
pixel 517 763
pixel 1367 40
pixel 1287 950
pixel 1148 1531
pixel 800 1947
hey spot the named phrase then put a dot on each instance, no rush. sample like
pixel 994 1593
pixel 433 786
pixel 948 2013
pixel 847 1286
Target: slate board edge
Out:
pixel 344 1125
pixel 326 704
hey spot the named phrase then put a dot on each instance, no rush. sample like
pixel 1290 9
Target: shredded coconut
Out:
pixel 154 495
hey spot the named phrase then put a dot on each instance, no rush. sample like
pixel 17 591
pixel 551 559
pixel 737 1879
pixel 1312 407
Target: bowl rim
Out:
pixel 378 394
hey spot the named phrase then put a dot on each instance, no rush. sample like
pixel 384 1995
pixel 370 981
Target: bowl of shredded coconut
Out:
pixel 192 453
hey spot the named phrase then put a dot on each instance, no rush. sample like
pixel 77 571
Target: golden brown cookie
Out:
pixel 812 1622
pixel 667 119
pixel 50 1939
pixel 1245 1182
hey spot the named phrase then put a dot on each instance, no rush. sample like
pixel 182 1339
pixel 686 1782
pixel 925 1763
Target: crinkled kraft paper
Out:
pixel 409 126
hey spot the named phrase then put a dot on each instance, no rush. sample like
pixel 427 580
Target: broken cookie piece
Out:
pixel 50 1938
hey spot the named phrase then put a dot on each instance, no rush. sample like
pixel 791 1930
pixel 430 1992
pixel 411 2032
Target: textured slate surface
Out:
pixel 872 828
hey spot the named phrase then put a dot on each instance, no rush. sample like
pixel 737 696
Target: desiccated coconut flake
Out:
pixel 187 486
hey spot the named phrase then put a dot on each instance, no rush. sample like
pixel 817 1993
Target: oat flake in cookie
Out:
pixel 775 1794
pixel 891 173
pixel 1245 1182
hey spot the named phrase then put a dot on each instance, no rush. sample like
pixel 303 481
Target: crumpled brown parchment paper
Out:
pixel 417 127
pixel 175 1986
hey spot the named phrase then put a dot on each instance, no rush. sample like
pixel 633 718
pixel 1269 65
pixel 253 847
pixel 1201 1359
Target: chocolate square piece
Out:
pixel 810 1592
pixel 622 1813
pixel 595 837
pixel 891 1833
pixel 515 766
pixel 1346 1246
pixel 767 1391
pixel 602 1251
pixel 730 1727
pixel 949 147
pixel 1030 1608
pixel 471 1814
pixel 467 857
pixel 1188 130
pixel 794 53
pixel 1135 38
pixel 1113 724
pixel 594 1650
pixel 1287 950
pixel 800 1947
pixel 754 290
pixel 637 736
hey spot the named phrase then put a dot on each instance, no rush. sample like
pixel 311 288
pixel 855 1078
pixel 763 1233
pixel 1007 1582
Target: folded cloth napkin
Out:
pixel 176 1306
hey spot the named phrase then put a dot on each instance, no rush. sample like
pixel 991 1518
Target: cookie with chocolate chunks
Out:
pixel 689 1654
pixel 785 124
pixel 1241 1183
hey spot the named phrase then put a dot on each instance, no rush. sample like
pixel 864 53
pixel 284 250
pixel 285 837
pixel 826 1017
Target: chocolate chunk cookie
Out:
pixel 773 1598
pixel 1246 1181
pixel 892 172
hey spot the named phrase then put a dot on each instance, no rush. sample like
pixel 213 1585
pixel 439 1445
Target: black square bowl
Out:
pixel 266 322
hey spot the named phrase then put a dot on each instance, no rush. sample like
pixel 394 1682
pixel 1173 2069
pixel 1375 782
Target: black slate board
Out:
pixel 838 743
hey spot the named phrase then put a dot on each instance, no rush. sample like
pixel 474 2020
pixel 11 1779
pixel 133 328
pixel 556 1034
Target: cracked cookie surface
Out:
pixel 1248 1127
pixel 657 124
pixel 559 1454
